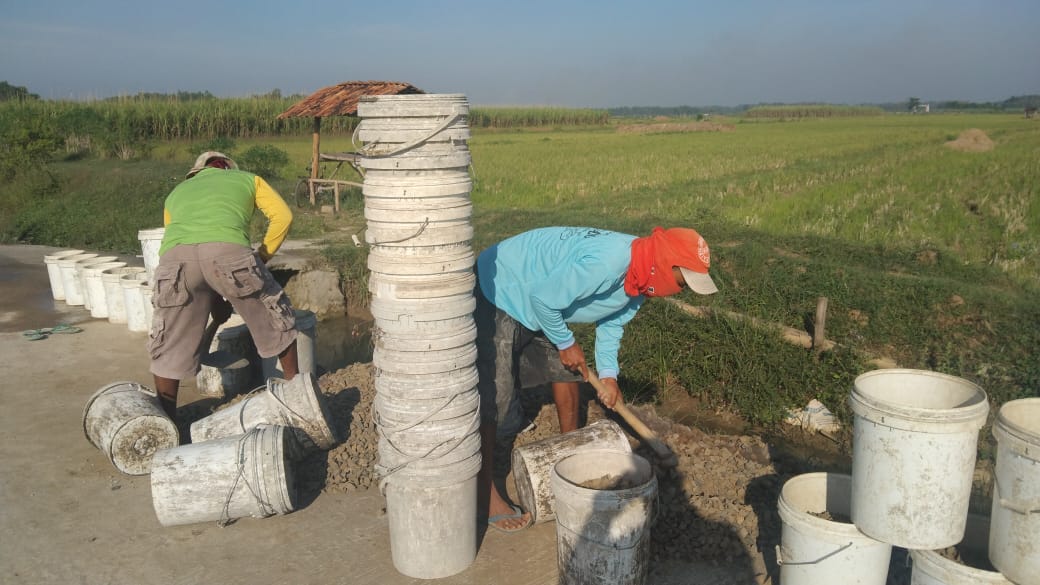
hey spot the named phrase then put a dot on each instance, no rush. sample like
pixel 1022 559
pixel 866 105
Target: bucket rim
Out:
pixel 640 462
pixel 150 233
pixel 97 394
pixel 325 437
pixel 98 267
pixel 868 406
pixel 959 571
pixel 70 261
pixel 54 257
pixel 1004 427
pixel 794 516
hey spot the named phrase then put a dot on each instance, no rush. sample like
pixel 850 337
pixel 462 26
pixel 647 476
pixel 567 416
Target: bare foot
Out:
pixel 504 517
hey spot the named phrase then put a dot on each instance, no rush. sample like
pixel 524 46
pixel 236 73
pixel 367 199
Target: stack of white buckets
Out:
pixel 109 289
pixel 417 206
pixel 914 449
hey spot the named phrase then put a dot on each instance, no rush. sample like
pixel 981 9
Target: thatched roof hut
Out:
pixel 340 100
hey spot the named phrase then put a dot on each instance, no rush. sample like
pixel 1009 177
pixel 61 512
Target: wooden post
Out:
pixel 315 154
pixel 819 324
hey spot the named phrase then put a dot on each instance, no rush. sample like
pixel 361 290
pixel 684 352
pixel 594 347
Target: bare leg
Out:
pixel 486 486
pixel 167 389
pixel 565 395
pixel 290 361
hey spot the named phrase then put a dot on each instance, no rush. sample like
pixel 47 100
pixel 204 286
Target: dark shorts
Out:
pixel 187 281
pixel 510 357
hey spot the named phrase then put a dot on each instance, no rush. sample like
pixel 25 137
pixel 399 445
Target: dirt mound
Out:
pixel 674 127
pixel 972 140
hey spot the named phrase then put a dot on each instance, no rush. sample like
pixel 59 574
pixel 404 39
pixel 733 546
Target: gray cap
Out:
pixel 200 163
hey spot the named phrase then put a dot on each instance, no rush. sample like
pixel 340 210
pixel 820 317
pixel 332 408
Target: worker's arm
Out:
pixel 279 218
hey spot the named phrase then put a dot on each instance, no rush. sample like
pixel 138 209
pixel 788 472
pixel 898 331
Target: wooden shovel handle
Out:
pixel 645 433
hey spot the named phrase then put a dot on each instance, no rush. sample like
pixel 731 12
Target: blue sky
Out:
pixel 564 53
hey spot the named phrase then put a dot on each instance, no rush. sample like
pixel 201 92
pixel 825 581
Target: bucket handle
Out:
pixel 780 559
pixel 368 150
pixel 1025 508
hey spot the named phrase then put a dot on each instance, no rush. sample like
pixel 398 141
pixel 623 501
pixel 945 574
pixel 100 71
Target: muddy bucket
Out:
pixel 54 271
pixel 133 302
pixel 915 436
pixel 297 404
pixel 69 283
pixel 605 503
pixel 815 549
pixel 126 422
pixel 151 241
pixel 433 528
pixel 227 369
pixel 1014 538
pixel 306 341
pixel 224 479
pixel 114 291
pixel 533 463
pixel 94 288
pixel 968 567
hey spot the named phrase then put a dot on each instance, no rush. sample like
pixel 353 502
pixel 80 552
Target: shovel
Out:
pixel 664 455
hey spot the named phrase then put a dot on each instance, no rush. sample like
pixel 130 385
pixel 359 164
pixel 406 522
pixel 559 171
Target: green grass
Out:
pixel 928 256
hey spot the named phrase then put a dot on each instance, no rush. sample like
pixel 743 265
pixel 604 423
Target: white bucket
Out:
pixel 406 410
pixel 151 241
pixel 451 458
pixel 603 535
pixel 125 421
pixel 306 342
pixel 433 529
pixel 1014 539
pixel 419 211
pixel 816 550
pixel 133 301
pixel 933 568
pixel 146 301
pixel 421 286
pixel 416 184
pixel 915 437
pixel 424 362
pixel 79 272
pixel 448 339
pixel 224 479
pixel 94 288
pixel 69 283
pixel 427 386
pixel 433 309
pixel 396 270
pixel 418 233
pixel 110 278
pixel 54 271
pixel 297 404
pixel 533 463
pixel 227 369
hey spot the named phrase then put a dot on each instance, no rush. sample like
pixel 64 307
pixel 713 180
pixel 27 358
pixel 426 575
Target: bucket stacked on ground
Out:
pixel 417 206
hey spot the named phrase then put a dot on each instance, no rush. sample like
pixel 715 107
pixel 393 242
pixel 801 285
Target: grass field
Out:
pixel 928 255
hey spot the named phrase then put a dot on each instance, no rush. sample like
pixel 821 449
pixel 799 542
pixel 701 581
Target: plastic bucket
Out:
pixel 447 460
pixel 433 529
pixel 931 567
pixel 605 503
pixel 224 479
pixel 94 288
pixel 434 309
pixel 306 342
pixel 418 233
pixel 116 305
pixel 227 369
pixel 405 410
pixel 817 550
pixel 125 421
pixel 915 436
pixel 79 272
pixel 421 286
pixel 297 404
pixel 424 362
pixel 54 271
pixel 67 266
pixel 420 210
pixel 151 241
pixel 146 301
pixel 435 341
pixel 427 386
pixel 533 463
pixel 133 301
pixel 421 185
pixel 1014 538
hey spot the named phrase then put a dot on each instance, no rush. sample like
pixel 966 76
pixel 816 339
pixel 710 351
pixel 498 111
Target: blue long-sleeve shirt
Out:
pixel 548 277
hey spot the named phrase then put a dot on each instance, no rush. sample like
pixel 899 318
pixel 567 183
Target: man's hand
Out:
pixel 220 311
pixel 573 358
pixel 610 396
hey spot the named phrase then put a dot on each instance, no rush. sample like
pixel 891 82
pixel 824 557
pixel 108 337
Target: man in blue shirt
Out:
pixel 530 287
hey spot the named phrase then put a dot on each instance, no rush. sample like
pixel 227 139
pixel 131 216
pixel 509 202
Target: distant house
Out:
pixel 922 108
pixel 1030 111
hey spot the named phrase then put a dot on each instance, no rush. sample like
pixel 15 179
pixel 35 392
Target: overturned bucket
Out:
pixel 915 437
pixel 968 566
pixel 151 241
pixel 297 404
pixel 533 463
pixel 306 342
pixel 54 271
pixel 1014 538
pixel 70 285
pixel 224 479
pixel 126 422
pixel 605 504
pixel 94 288
pixel 114 291
pixel 817 546
pixel 133 301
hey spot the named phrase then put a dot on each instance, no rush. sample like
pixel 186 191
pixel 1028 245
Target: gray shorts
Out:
pixel 189 278
pixel 510 357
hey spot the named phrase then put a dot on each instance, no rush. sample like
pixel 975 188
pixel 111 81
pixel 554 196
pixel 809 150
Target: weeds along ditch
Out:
pixel 929 256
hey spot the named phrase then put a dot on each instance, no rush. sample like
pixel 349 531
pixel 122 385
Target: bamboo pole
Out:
pixel 788 334
pixel 315 155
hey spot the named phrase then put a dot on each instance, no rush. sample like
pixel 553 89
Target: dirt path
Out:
pixel 68 516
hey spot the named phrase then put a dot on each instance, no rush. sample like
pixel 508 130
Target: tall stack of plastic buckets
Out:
pixel 417 208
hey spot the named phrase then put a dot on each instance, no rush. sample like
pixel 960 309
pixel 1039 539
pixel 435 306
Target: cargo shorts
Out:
pixel 186 283
pixel 511 357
